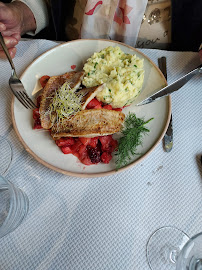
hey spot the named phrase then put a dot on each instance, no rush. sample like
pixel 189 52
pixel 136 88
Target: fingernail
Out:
pixel 11 42
pixel 2 27
pixel 12 53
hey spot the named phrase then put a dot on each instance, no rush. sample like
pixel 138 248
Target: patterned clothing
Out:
pixel 146 26
pixel 140 23
pixel 155 30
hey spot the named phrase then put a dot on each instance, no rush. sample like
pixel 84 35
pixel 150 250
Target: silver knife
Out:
pixel 172 87
pixel 168 137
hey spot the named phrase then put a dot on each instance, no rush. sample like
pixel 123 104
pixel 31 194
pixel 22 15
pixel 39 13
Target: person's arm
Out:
pixel 16 19
pixel 40 12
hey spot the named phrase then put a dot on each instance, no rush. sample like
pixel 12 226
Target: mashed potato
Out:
pixel 123 74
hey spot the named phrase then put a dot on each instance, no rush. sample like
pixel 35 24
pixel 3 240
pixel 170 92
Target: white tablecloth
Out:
pixel 104 223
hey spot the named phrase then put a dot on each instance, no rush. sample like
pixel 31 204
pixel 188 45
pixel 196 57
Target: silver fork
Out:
pixel 168 137
pixel 14 82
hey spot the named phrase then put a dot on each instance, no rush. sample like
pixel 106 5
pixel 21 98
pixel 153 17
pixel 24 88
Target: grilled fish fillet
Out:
pixel 89 123
pixel 89 93
pixel 54 83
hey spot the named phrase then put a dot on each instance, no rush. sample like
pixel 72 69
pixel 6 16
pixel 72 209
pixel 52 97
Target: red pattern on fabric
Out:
pixel 91 11
pixel 121 13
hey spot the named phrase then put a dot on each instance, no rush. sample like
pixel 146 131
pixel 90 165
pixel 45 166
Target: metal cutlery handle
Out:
pixel 168 137
pixel 3 45
pixel 162 65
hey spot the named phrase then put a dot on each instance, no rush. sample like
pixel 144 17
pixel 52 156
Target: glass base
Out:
pixel 14 207
pixel 164 246
pixel 190 257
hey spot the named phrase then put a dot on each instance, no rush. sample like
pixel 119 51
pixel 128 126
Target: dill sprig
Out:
pixel 132 134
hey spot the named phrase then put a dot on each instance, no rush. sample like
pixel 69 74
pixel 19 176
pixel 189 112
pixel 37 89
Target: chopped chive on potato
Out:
pixel 122 73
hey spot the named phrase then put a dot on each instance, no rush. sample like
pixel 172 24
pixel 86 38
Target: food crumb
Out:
pixel 158 169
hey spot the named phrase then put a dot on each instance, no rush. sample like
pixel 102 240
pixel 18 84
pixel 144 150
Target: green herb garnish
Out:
pixel 65 103
pixel 132 133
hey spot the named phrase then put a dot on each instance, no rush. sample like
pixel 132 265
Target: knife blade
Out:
pixel 171 88
pixel 168 137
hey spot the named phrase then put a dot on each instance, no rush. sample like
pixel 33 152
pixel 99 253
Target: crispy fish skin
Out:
pixel 89 123
pixel 89 94
pixel 54 83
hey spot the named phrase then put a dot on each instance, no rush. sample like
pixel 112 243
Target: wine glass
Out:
pixel 172 249
pixel 190 257
pixel 14 202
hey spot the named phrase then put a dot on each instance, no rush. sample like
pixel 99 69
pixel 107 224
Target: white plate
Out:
pixel 64 58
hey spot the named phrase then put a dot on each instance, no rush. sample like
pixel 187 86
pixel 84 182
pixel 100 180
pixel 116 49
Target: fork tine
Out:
pixel 20 99
pixel 23 98
pixel 21 94
pixel 29 100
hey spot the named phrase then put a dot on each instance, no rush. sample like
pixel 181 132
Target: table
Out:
pixel 104 223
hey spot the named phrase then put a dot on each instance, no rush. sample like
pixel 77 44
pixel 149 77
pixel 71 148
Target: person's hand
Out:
pixel 15 20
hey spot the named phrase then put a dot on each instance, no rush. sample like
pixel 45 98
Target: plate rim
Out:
pixel 100 174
